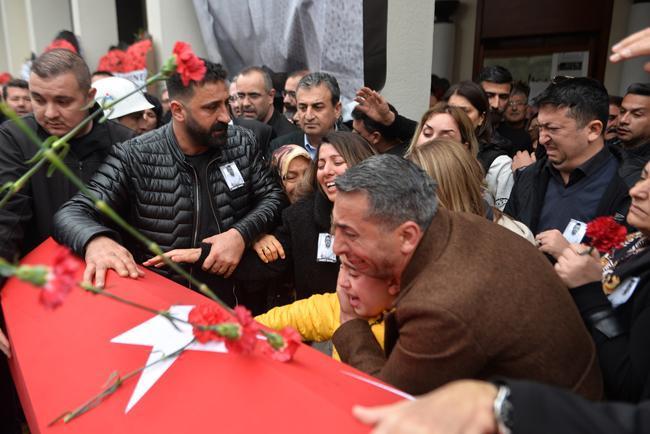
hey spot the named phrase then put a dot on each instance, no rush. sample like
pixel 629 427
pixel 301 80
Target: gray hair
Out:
pixel 316 79
pixel 398 190
pixel 268 83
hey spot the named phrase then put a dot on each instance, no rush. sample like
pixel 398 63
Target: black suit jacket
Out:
pixel 281 124
pixel 544 409
pixel 294 138
pixel 262 131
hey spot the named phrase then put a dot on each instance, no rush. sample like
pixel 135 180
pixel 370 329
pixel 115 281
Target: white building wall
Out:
pixel 15 35
pixel 409 45
pixel 95 23
pixel 170 21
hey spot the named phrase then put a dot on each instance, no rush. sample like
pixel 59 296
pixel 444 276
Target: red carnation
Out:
pixel 137 54
pixel 606 234
pixel 60 44
pixel 113 61
pixel 283 346
pixel 188 65
pixel 207 315
pixel 60 279
pixel 4 78
pixel 245 343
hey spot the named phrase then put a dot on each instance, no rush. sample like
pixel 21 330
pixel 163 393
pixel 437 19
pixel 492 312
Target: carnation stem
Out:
pixel 109 390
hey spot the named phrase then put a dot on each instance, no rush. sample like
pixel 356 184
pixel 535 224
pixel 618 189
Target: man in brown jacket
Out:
pixel 476 300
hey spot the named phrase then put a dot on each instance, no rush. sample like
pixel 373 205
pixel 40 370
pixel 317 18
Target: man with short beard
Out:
pixel 633 131
pixel 611 135
pixel 197 187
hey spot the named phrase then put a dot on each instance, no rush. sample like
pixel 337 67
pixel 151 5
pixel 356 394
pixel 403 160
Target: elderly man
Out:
pixel 197 187
pixel 255 93
pixel 473 300
pixel 319 108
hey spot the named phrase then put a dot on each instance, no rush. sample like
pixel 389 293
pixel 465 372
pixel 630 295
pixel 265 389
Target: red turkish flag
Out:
pixel 62 358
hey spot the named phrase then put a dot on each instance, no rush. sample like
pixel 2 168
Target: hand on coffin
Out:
pixel 185 256
pixel 103 254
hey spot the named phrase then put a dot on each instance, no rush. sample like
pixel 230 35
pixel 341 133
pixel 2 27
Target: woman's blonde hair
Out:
pixel 458 174
pixel 468 137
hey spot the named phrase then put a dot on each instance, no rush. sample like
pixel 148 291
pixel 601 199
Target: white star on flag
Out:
pixel 160 334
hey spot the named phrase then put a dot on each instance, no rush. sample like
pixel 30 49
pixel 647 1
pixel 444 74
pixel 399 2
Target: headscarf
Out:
pixel 284 155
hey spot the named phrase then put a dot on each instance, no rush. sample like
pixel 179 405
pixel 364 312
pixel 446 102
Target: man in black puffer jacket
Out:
pixel 196 186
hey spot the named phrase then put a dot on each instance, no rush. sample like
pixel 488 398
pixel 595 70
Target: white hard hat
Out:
pixel 111 88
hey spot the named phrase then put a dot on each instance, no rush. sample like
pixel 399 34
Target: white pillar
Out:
pixel 15 38
pixel 442 63
pixel 46 18
pixel 4 56
pixel 170 21
pixel 409 44
pixel 633 72
pixel 95 23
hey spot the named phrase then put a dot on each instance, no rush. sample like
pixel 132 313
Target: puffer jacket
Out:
pixel 148 181
pixel 316 319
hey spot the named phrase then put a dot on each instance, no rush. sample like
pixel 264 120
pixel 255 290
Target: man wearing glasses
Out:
pixel 514 126
pixel 255 92
pixel 289 100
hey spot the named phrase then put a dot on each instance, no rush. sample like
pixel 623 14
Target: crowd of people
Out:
pixel 426 252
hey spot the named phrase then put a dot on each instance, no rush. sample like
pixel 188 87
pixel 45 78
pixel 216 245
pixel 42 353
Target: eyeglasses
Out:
pixel 515 104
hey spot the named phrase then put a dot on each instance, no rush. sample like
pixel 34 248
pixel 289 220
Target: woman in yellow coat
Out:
pixel 317 317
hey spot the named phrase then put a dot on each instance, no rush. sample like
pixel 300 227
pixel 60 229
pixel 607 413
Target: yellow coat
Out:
pixel 316 319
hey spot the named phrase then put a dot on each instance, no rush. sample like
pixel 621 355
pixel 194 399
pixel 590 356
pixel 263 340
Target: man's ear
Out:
pixel 91 94
pixel 337 109
pixel 375 138
pixel 177 110
pixel 272 93
pixel 594 130
pixel 409 234
pixel 393 287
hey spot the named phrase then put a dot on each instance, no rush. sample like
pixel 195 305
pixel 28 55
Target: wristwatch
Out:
pixel 503 410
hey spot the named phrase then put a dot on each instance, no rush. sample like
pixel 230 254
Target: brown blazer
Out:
pixel 476 301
